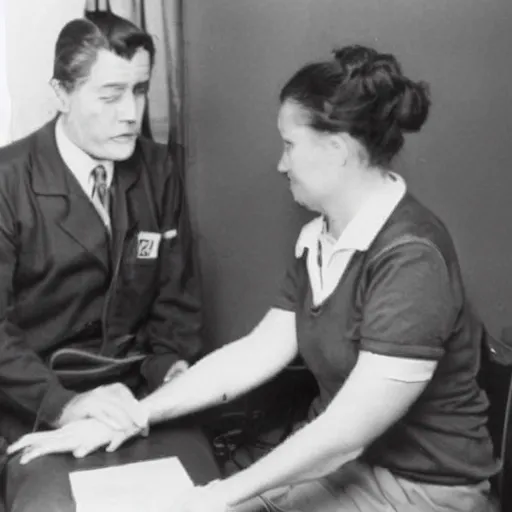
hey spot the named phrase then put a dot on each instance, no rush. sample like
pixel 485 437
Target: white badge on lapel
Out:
pixel 147 245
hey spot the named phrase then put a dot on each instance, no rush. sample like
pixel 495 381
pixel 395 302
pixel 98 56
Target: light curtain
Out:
pixel 31 29
pixel 5 99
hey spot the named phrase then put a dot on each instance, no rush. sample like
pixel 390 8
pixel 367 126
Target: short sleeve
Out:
pixel 409 307
pixel 287 296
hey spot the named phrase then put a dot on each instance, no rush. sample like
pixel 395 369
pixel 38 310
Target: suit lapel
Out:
pixel 64 199
pixel 84 225
pixel 123 218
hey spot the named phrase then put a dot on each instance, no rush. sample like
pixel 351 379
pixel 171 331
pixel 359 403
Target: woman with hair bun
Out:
pixel 374 304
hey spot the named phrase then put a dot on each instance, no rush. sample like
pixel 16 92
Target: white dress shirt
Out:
pixel 80 163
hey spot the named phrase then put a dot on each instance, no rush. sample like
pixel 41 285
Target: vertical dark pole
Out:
pixel 146 124
pixel 175 47
pixel 177 141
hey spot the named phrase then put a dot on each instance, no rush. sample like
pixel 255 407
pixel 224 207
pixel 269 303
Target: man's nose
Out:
pixel 128 108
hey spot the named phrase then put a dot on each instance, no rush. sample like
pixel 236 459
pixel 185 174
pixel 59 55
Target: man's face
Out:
pixel 103 113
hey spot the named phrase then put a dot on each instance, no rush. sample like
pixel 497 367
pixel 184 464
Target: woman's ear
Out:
pixel 62 95
pixel 340 144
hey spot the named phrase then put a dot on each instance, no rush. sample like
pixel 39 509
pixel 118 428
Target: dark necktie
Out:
pixel 100 196
pixel 100 189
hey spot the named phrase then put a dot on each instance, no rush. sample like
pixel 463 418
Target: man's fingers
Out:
pixel 22 443
pixel 28 455
pixel 85 450
pixel 35 439
pixel 80 437
pixel 45 447
pixel 116 442
pixel 34 452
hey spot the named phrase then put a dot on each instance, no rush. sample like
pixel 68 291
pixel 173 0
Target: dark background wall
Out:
pixel 239 54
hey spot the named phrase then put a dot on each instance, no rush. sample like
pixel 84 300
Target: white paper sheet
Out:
pixel 148 486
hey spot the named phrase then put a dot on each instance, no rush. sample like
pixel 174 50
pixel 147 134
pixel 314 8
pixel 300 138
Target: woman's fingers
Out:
pixel 117 407
pixel 131 405
pixel 111 414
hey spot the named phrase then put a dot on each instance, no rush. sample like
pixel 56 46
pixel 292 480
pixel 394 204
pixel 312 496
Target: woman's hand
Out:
pixel 113 404
pixel 79 437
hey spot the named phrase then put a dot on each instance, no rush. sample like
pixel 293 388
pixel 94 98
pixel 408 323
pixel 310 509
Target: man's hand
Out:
pixel 176 369
pixel 81 438
pixel 114 405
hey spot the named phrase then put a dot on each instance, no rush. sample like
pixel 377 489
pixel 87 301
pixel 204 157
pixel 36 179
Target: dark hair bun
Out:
pixel 355 61
pixel 412 108
pixel 364 93
pixel 399 99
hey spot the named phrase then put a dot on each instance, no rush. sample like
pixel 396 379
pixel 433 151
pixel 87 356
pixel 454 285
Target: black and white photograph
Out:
pixel 255 256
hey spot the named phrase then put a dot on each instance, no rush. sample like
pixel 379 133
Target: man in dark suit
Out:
pixel 99 302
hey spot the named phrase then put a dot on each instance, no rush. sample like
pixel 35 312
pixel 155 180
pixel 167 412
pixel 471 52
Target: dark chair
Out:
pixel 495 377
pixel 505 477
pixel 3 463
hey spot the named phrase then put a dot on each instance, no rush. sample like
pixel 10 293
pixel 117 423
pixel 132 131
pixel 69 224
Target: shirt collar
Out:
pixel 364 227
pixel 79 162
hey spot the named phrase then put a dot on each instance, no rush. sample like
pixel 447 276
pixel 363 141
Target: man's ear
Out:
pixel 62 95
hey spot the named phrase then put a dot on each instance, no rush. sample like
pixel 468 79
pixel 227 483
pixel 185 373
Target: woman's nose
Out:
pixel 282 165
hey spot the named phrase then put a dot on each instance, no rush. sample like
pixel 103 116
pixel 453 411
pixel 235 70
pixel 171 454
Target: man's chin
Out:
pixel 119 152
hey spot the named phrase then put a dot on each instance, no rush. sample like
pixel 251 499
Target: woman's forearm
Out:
pixel 310 453
pixel 213 380
pixel 366 406
pixel 229 371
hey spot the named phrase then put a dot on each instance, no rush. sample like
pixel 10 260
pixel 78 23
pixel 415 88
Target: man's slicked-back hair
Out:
pixel 81 39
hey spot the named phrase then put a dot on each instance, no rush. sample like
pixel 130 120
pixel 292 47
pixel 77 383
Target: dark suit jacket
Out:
pixel 65 282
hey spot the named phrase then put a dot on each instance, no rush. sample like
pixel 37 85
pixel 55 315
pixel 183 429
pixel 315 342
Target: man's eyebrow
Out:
pixel 114 85
pixel 119 86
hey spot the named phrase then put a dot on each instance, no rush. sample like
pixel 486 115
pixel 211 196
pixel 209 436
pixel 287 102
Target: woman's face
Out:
pixel 310 159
